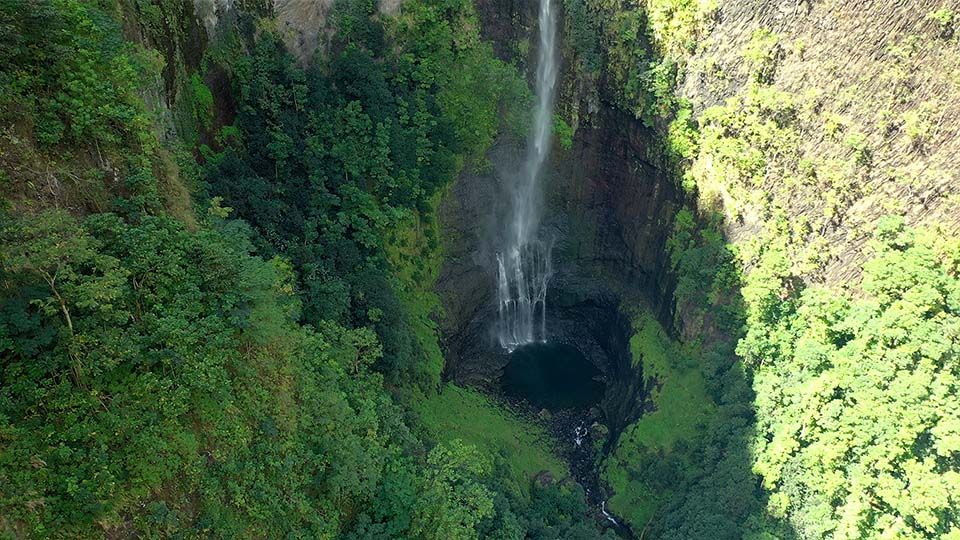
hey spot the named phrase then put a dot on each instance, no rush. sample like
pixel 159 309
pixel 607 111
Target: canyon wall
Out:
pixel 608 211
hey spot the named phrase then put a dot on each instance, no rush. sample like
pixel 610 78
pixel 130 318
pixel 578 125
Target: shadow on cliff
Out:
pixel 631 244
pixel 698 466
pixel 631 240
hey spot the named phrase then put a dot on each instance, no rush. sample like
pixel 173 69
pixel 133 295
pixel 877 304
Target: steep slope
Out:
pixel 870 89
pixel 794 128
pixel 215 272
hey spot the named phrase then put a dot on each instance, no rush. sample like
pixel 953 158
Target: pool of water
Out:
pixel 552 376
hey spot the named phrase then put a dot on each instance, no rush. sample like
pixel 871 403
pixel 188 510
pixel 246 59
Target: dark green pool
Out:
pixel 552 376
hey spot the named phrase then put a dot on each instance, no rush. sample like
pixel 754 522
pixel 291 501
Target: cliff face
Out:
pixel 870 89
pixel 815 119
pixel 608 211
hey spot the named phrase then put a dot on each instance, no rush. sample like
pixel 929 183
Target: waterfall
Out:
pixel 523 266
pixel 610 518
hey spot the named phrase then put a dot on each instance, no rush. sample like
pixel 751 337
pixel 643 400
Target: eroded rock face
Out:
pixel 608 212
pixel 209 12
pixel 613 210
pixel 867 68
pixel 303 25
pixel 505 23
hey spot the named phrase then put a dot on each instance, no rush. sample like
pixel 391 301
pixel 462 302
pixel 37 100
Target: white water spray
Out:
pixel 579 433
pixel 523 267
pixel 610 518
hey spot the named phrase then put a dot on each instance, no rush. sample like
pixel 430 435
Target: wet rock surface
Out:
pixel 579 436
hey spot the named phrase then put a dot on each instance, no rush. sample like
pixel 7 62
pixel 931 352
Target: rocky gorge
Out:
pixel 608 211
pixel 479 269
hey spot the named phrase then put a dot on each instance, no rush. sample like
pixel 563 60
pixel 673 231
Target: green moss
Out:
pixel 676 25
pixel 681 398
pixel 415 255
pixel 564 132
pixel 917 126
pixel 202 102
pixel 633 501
pixel 584 34
pixel 682 407
pixel 764 53
pixel 466 414
pixel 945 19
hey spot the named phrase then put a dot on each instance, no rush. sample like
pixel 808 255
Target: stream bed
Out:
pixel 556 385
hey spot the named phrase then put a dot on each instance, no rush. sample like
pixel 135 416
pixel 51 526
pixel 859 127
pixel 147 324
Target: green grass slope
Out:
pixel 682 406
pixel 466 414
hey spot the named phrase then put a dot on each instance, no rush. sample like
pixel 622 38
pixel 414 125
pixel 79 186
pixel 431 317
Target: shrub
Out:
pixel 945 18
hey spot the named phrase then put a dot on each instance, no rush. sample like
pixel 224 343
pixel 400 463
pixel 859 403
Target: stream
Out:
pixel 561 389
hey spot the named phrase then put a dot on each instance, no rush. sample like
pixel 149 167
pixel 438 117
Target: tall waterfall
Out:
pixel 523 266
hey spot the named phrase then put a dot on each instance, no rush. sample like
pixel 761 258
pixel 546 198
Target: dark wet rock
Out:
pixel 608 213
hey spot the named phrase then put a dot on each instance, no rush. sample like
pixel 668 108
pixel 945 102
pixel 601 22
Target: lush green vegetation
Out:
pixel 467 414
pixel 683 470
pixel 857 396
pixel 682 406
pixel 518 451
pixel 76 132
pixel 680 394
pixel 640 46
pixel 329 163
pixel 827 411
pixel 216 307
pixel 146 367
pixel 165 375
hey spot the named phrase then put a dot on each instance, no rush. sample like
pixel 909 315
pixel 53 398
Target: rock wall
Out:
pixel 608 211
pixel 881 73
pixel 303 25
pixel 884 72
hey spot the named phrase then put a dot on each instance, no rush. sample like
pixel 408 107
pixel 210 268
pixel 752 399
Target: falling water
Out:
pixel 523 267
pixel 610 518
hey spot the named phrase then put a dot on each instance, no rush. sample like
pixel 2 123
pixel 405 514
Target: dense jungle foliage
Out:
pixel 223 332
